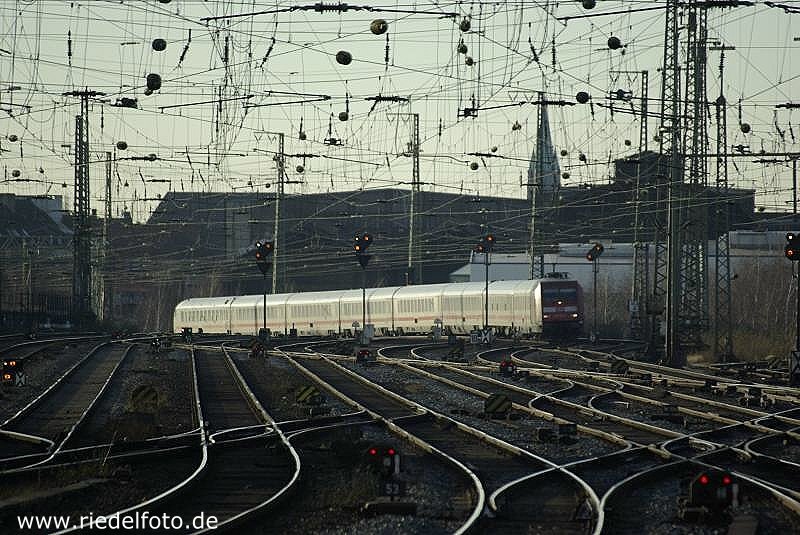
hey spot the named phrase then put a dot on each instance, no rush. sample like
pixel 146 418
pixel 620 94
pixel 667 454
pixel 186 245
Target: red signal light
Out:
pixel 703 479
pixel 726 480
pixel 373 451
pixel 391 451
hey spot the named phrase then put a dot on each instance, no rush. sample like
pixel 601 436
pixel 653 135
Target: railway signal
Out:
pixel 710 492
pixel 595 252
pixel 485 247
pixel 792 249
pixel 384 459
pixel 264 253
pixel 593 256
pixel 361 243
pixel 486 244
pixel 12 372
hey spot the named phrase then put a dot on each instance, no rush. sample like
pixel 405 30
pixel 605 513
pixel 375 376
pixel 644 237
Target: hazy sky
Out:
pixel 112 51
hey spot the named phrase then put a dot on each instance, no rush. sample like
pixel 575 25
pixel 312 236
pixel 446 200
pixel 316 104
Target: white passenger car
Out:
pixel 550 306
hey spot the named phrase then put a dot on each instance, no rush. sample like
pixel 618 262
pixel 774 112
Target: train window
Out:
pixel 567 294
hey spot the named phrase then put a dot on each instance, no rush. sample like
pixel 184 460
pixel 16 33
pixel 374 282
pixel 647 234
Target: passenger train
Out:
pixel 549 307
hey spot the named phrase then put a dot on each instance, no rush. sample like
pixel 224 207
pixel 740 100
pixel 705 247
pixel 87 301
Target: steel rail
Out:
pixel 201 467
pixel 268 420
pixel 81 418
pixel 485 437
pixel 425 446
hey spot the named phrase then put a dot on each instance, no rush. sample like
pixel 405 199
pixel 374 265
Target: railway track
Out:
pixel 568 411
pixel 236 478
pixel 248 464
pixel 55 415
pixel 603 473
pixel 492 462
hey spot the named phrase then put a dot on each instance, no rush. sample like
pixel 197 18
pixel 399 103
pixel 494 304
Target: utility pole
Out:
pixel 534 182
pixel 411 273
pixel 686 266
pixel 280 161
pixel 723 328
pixel 692 314
pixel 639 290
pixel 532 236
pixel 107 292
pixel 794 187
pixel 82 223
pixel 665 285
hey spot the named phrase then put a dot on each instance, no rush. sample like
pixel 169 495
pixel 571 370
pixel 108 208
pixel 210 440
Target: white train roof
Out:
pixel 249 301
pixel 203 302
pixel 420 291
pixel 354 295
pixel 306 298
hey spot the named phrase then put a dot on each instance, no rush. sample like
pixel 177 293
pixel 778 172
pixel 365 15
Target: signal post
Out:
pixel 361 243
pixel 792 252
pixel 485 247
pixel 263 254
pixel 593 256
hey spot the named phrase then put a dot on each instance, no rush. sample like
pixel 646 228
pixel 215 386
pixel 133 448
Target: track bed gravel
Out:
pixel 336 482
pixel 468 408
pixel 117 419
pixel 99 489
pixel 42 370
pixel 650 507
pixel 275 381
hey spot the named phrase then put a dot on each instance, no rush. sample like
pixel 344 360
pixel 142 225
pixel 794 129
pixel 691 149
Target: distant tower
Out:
pixel 544 170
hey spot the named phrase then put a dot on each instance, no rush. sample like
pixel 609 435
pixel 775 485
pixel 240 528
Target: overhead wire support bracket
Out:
pixel 215 101
pixel 321 7
pixel 312 97
pixel 472 111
